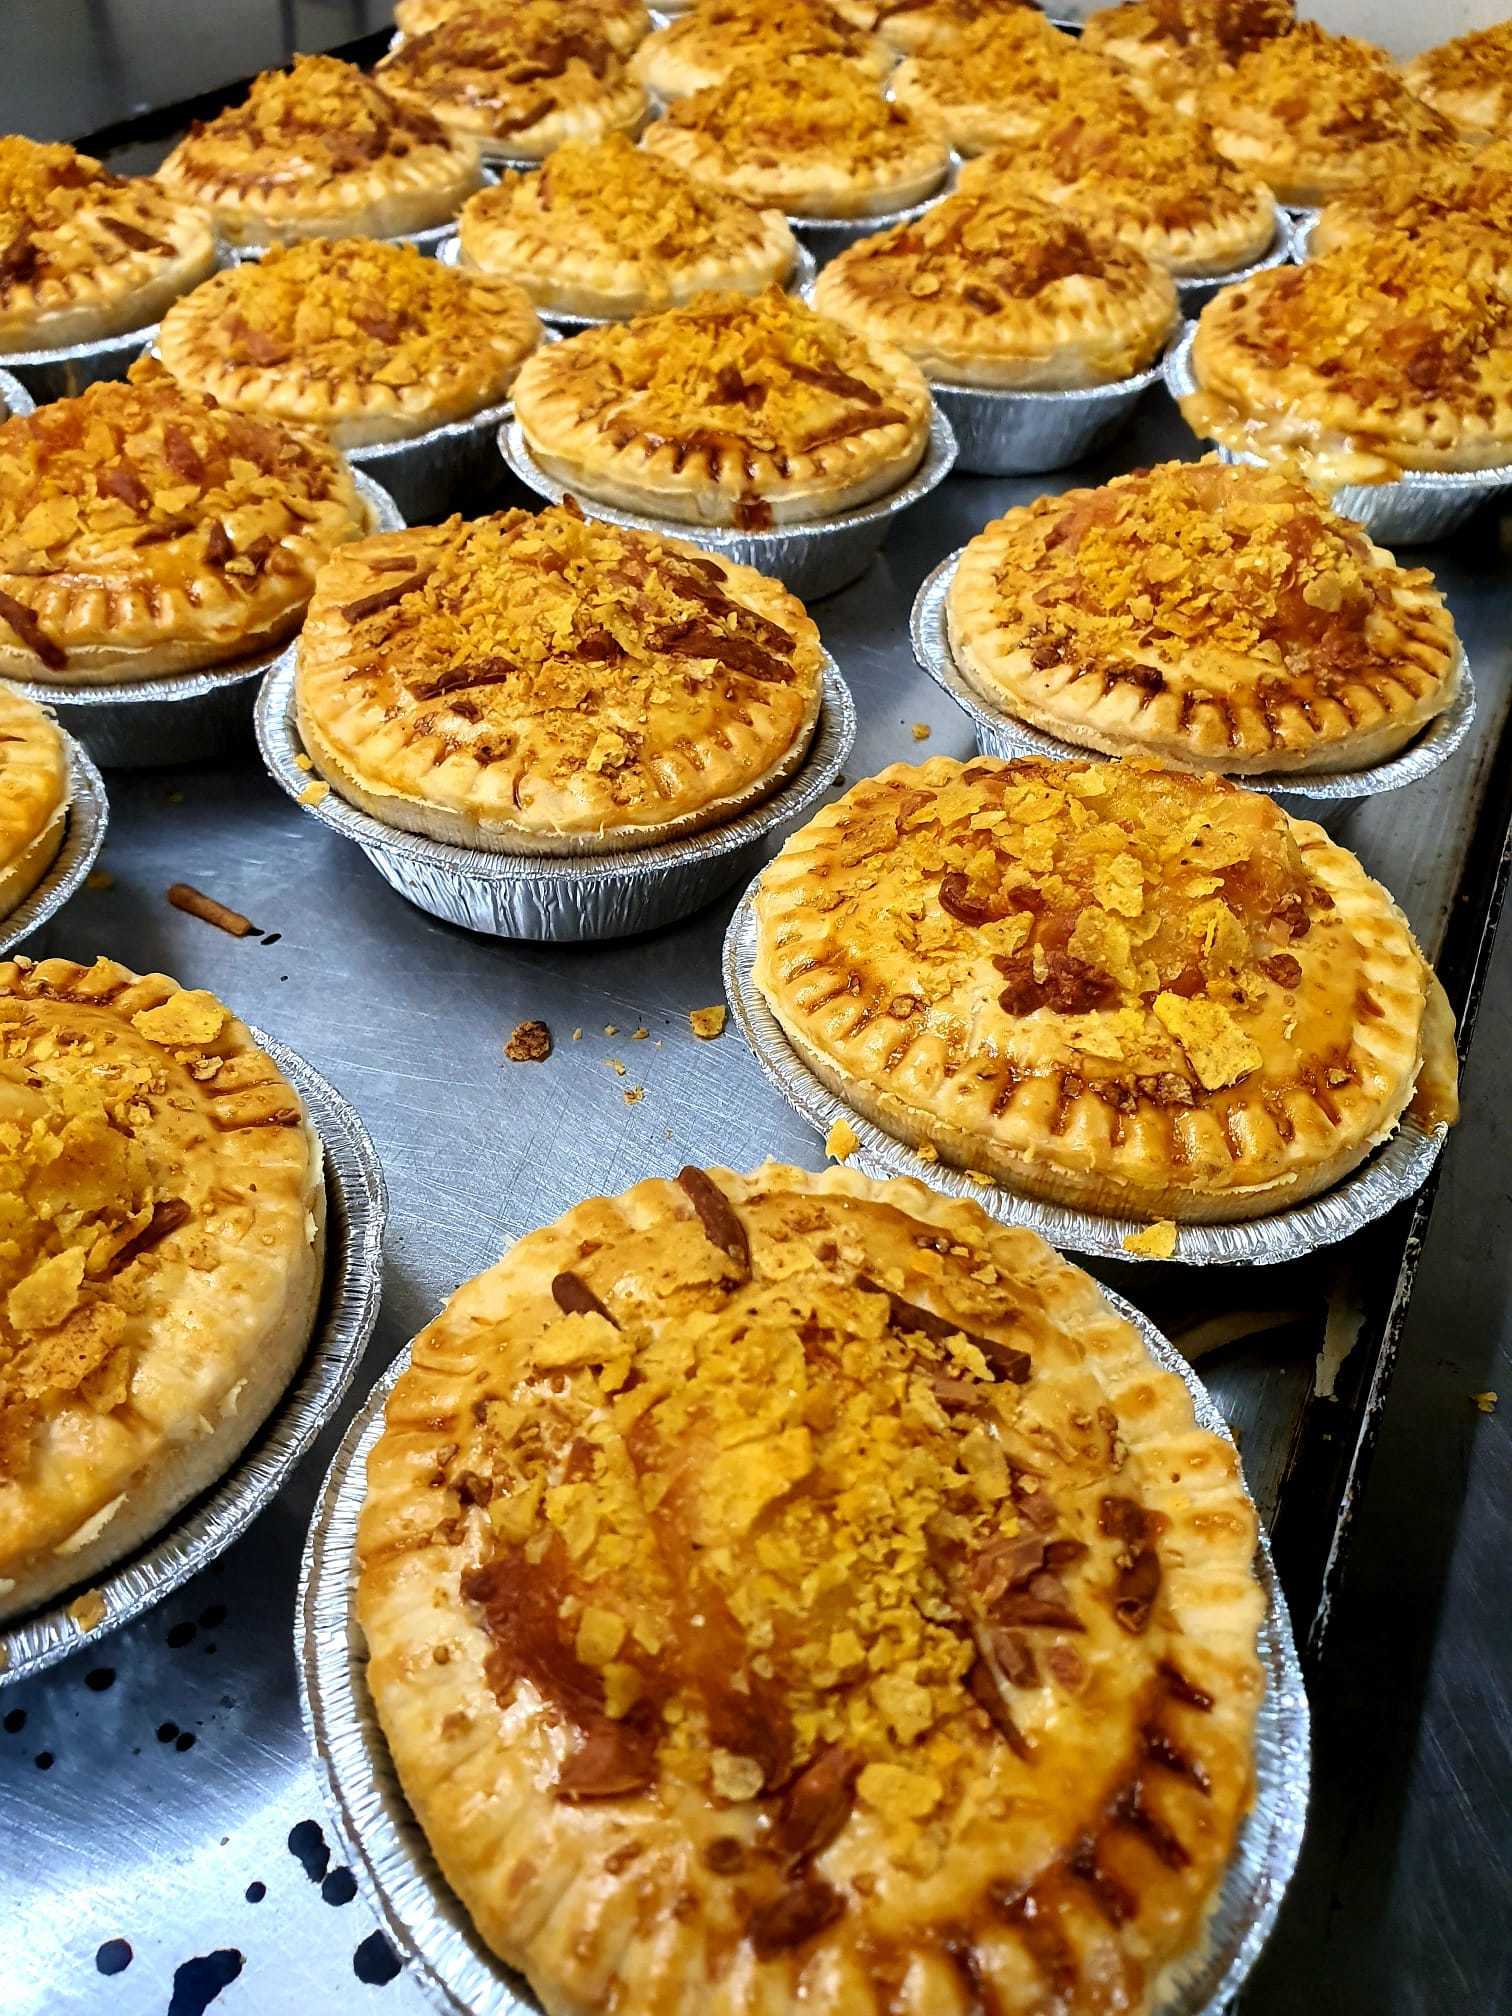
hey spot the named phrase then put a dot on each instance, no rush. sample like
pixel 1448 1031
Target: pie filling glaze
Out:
pixel 1004 79
pixel 603 228
pixel 1469 191
pixel 321 151
pixel 84 253
pixel 801 1588
pixel 161 1236
pixel 144 530
pixel 1212 613
pixel 1387 354
pixel 1118 986
pixel 734 410
pixel 522 81
pixel 815 138
pixel 994 292
pixel 721 36
pixel 1469 81
pixel 370 342
pixel 1172 48
pixel 34 792
pixel 546 684
pixel 624 22
pixel 912 25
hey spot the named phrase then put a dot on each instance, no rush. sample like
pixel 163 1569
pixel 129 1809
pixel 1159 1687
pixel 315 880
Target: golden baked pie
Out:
pixel 1387 354
pixel 1149 179
pixel 34 793
pixel 521 81
pixel 722 36
pixel 162 1223
pixel 604 228
pixel 814 137
pixel 1172 48
pixel 788 1591
pixel 735 410
pixel 1316 114
pixel 320 151
pixel 1469 80
pixel 1002 80
pixel 367 341
pixel 1469 190
pixel 1215 614
pixel 911 25
pixel 1121 987
pixel 87 254
pixel 624 22
pixel 145 530
pixel 1012 295
pixel 546 684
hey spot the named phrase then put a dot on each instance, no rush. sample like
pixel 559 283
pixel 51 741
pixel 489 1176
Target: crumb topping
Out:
pixel 1014 59
pixel 1468 63
pixel 813 107
pixel 1328 91
pixel 61 211
pixel 736 32
pixel 1469 190
pixel 923 23
pixel 1224 30
pixel 516 66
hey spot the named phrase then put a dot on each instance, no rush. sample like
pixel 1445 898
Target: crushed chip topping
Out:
pixel 1015 63
pixel 725 35
pixel 1468 63
pixel 509 69
pixel 50 193
pixel 1153 1242
pixel 1468 191
pixel 809 108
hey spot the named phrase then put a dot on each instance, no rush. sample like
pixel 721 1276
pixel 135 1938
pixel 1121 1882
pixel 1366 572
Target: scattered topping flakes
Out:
pixel 615 1066
pixel 189 1016
pixel 707 1023
pixel 184 896
pixel 898 1794
pixel 841 1142
pixel 921 731
pixel 634 1095
pixel 734 1777
pixel 1155 1242
pixel 530 1043
pixel 87 1612
pixel 1219 1051
pixel 577 1035
pixel 1486 1402
pixel 611 1028
pixel 315 794
pixel 639 1035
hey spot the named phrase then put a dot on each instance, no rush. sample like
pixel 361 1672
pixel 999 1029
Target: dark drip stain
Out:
pixel 114 1957
pixel 167 1731
pixel 44 1760
pixel 272 937
pixel 307 1844
pixel 210 1618
pixel 100 1679
pixel 183 1741
pixel 375 1963
pixel 197 1983
pixel 182 1635
pixel 15 1722
pixel 256 1892
pixel 340 1887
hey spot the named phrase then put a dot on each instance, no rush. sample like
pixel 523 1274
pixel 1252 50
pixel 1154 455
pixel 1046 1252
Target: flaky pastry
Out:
pixel 161 1241
pixel 1469 190
pixel 1172 48
pixel 624 22
pixel 1469 80
pixel 722 36
pixel 751 411
pixel 912 25
pixel 546 684
pixel 795 1592
pixel 1002 80
pixel 320 151
pixel 1121 987
pixel 34 792
pixel 1215 614
pixel 367 341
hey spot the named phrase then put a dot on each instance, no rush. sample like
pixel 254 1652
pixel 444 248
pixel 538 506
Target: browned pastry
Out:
pixel 1468 190
pixel 912 25
pixel 1469 80
pixel 625 22
pixel 1003 80
pixel 34 792
pixel 720 37
pixel 1171 49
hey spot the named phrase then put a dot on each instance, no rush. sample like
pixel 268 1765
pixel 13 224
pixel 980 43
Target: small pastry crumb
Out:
pixel 920 731
pixel 979 1177
pixel 1155 1242
pixel 634 1094
pixel 99 878
pixel 615 1066
pixel 87 1611
pixel 639 1035
pixel 577 1035
pixel 1485 1401
pixel 841 1142
pixel 302 762
pixel 312 794
pixel 707 1023
pixel 611 1028
pixel 927 1152
pixel 530 1044
pixel 195 903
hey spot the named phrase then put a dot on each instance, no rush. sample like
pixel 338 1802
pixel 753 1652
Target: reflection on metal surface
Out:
pixel 15 401
pixel 84 835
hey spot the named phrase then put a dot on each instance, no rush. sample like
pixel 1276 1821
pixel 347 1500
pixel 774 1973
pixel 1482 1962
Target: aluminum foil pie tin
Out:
pixel 1417 508
pixel 15 401
pixel 1324 795
pixel 1195 294
pixel 429 475
pixel 1001 433
pixel 428 1924
pixel 65 372
pixel 356 1208
pixel 827 237
pixel 83 836
pixel 560 898
pixel 184 717
pixel 1396 1171
pixel 812 559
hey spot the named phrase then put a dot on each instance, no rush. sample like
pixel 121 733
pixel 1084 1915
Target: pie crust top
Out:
pixel 1469 80
pixel 322 151
pixel 371 342
pixel 84 253
pixel 161 1229
pixel 605 228
pixel 721 36
pixel 522 80
pixel 1152 180
pixel 144 529
pixel 804 1588
pixel 1316 114
pixel 983 290
pixel 813 136
pixel 34 791
pixel 1002 80
pixel 625 22
pixel 1389 353
pixel 1216 614
pixel 1470 190
pixel 744 410
pixel 545 683
pixel 1172 48
pixel 1123 987
pixel 911 25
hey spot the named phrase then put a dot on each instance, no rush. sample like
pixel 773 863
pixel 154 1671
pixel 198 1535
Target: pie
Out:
pixel 1151 180
pixel 1215 614
pixel 320 151
pixel 911 25
pixel 1120 987
pixel 788 1591
pixel 367 341
pixel 521 81
pixel 605 229
pixel 34 792
pixel 1316 114
pixel 540 683
pixel 1469 190
pixel 1387 354
pixel 722 36
pixel 163 1209
pixel 145 530
pixel 814 137
pixel 1469 80
pixel 735 410
pixel 1172 48
pixel 1006 294
pixel 87 254
pixel 1001 81
pixel 625 22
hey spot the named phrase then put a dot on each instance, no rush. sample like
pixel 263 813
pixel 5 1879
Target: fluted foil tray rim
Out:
pixel 449 253
pixel 1281 252
pixel 87 818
